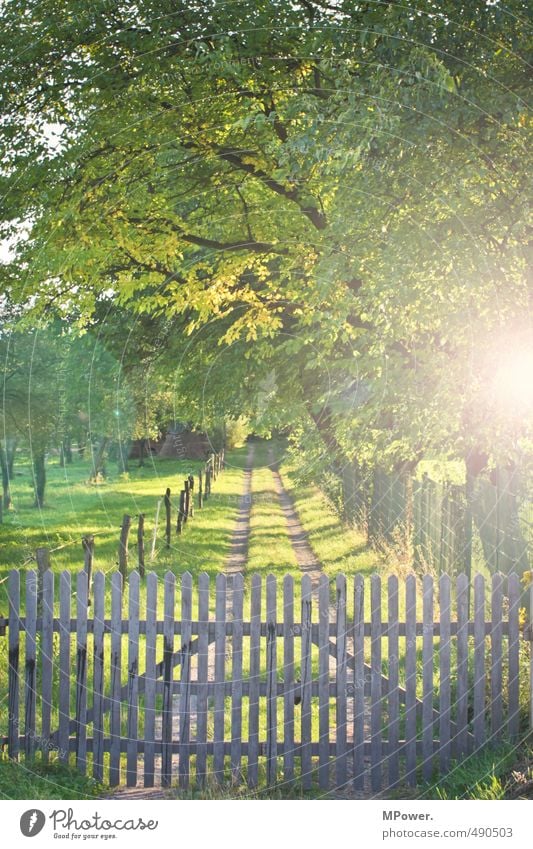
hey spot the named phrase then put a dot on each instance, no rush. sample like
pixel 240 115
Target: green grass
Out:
pixel 481 776
pixel 270 550
pixel 75 507
pixel 338 547
pixel 38 781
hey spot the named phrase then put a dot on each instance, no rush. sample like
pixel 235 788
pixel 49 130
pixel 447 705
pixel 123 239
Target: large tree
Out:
pixel 335 189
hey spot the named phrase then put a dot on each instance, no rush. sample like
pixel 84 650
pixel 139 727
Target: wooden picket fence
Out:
pixel 265 685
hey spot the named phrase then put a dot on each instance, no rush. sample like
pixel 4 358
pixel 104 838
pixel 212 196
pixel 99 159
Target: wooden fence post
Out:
pixel 140 544
pixel 167 510
pixel 154 535
pixel 123 546
pixel 87 543
pixel 186 500
pixel 42 556
pixel 200 492
pixel 181 510
pixel 191 495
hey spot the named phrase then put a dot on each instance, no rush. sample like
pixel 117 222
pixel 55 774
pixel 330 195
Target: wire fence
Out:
pixel 442 526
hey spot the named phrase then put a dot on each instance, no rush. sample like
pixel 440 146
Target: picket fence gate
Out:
pixel 326 699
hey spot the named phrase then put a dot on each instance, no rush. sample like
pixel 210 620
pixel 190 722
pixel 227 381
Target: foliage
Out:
pixel 333 192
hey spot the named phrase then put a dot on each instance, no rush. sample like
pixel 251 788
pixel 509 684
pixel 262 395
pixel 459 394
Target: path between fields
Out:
pixel 236 563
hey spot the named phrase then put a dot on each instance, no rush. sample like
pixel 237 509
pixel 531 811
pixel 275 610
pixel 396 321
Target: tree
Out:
pixel 340 187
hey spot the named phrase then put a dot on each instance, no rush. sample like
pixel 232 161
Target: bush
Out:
pixel 237 431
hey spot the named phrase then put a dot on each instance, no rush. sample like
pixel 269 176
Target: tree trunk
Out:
pixel 6 493
pixel 11 447
pixel 142 446
pixel 122 455
pixel 67 449
pixel 39 478
pixel 98 459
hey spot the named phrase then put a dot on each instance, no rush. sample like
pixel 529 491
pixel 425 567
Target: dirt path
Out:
pixel 238 555
pixel 305 556
pixel 311 565
pixel 235 564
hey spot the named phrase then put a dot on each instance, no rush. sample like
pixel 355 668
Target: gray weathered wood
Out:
pixel 496 657
pixel 150 687
pixel 98 676
pixel 393 691
pixel 220 676
pixel 64 667
pixel 133 680
pixel 168 650
pixel 306 621
pixel 81 672
pixel 42 557
pixel 514 649
pixel 13 718
pixel 123 546
pixel 154 532
pixel 30 682
pixel 87 545
pixel 168 515
pixel 461 741
pixel 376 753
pixel 253 699
pixel 185 680
pixel 236 677
pixel 47 662
pixel 288 678
pixel 271 682
pixel 203 677
pixel 427 678
pixel 479 662
pixel 340 681
pixel 359 683
pixel 140 544
pixel 116 678
pixel 410 680
pixel 445 673
pixel 323 682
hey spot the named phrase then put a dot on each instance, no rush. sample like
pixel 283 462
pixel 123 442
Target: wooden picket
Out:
pixel 363 712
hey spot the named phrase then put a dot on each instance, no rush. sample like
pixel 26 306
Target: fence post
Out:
pixel 181 510
pixel 87 543
pixel 123 546
pixel 207 481
pixel 42 556
pixel 154 535
pixel 140 544
pixel 186 500
pixel 200 492
pixel 167 510
pixel 191 495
